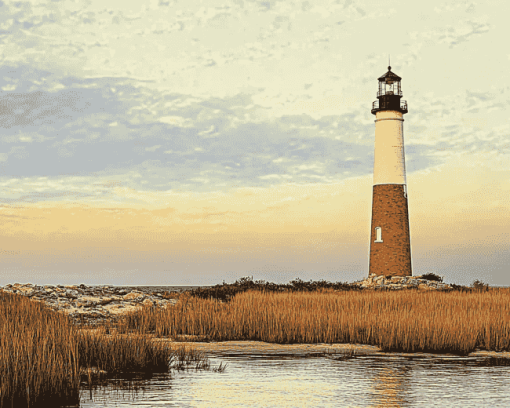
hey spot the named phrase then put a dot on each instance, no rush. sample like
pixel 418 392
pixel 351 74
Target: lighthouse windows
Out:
pixel 378 234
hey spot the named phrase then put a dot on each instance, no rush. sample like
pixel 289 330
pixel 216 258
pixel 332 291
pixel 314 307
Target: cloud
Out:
pixel 176 121
pixel 113 127
pixel 252 119
pixel 459 34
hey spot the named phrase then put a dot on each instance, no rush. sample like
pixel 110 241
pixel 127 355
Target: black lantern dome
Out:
pixel 389 94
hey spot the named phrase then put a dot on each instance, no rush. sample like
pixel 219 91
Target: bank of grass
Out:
pixel 44 357
pixel 455 322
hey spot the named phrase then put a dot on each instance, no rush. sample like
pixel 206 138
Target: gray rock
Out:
pixel 399 283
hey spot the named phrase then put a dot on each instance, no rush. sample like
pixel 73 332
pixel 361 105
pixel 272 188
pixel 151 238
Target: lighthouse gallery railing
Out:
pixel 403 105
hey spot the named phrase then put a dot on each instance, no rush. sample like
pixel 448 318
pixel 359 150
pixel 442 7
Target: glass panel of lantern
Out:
pixel 389 87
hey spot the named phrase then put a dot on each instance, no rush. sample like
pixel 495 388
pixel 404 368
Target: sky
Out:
pixel 191 142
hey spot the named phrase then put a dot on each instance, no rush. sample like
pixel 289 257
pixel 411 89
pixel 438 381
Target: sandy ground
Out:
pixel 259 347
pixel 247 347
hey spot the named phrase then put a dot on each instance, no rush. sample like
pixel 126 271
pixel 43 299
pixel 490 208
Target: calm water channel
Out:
pixel 314 381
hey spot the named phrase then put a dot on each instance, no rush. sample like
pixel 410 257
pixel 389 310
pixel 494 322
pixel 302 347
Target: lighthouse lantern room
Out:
pixel 389 94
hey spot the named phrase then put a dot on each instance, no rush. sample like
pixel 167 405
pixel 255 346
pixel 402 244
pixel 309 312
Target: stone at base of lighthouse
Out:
pixel 390 213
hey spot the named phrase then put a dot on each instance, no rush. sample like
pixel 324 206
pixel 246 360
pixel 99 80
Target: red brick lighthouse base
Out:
pixel 390 243
pixel 391 253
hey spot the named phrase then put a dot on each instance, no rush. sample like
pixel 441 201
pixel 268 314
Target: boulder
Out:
pixel 148 302
pixel 26 291
pixel 134 295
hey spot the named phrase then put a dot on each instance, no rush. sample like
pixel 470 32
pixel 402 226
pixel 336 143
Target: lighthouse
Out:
pixel 390 243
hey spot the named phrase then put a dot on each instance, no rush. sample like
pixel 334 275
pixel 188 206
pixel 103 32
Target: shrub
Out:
pixel 479 285
pixel 432 277
pixel 460 288
pixel 227 291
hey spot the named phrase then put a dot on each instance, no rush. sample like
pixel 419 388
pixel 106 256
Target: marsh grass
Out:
pixel 189 358
pixel 38 355
pixel 113 353
pixel 44 358
pixel 408 321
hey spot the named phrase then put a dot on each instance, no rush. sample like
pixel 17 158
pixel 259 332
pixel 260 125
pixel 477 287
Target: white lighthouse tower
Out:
pixel 390 244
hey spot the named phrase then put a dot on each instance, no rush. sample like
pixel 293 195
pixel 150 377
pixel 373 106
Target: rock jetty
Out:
pixel 92 304
pixel 400 282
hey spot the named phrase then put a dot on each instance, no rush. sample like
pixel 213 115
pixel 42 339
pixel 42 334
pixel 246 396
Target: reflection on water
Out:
pixel 289 381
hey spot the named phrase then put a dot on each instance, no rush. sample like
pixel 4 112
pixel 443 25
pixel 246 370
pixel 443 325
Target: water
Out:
pixel 318 381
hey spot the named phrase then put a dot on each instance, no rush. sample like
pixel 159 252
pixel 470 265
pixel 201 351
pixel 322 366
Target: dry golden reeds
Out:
pixel 408 320
pixel 115 353
pixel 43 356
pixel 38 355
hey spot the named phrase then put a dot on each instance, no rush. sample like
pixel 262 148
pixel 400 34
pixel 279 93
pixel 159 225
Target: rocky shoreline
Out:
pixel 92 304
